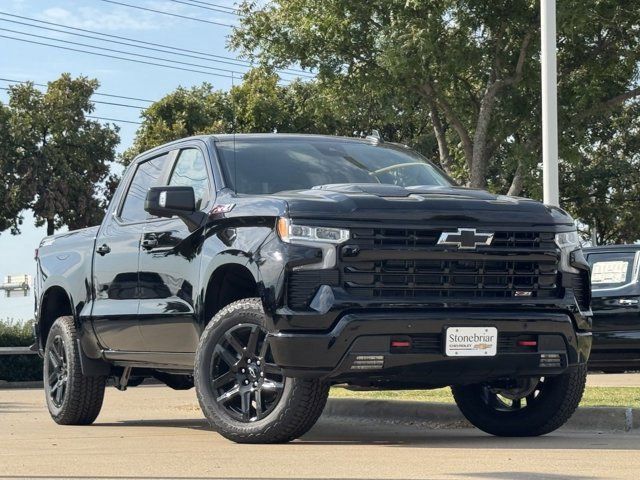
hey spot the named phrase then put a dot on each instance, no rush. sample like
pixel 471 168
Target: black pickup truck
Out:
pixel 266 268
pixel 616 307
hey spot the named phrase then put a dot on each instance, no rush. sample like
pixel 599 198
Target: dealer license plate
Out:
pixel 471 341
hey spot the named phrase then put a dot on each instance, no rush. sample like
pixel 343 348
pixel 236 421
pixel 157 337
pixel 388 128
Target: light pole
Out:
pixel 549 103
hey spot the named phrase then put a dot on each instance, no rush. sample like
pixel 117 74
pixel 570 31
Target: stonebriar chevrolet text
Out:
pixel 266 268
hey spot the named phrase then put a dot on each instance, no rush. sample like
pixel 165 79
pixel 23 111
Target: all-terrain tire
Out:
pixel 298 408
pixel 81 397
pixel 557 401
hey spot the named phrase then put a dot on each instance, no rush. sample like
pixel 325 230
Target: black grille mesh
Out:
pixel 408 263
pixel 390 237
pixel 303 284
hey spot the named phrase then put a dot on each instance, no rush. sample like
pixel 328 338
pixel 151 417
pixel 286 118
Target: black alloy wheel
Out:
pixel 522 407
pixel 516 397
pixel 246 382
pixel 243 393
pixel 72 397
pixel 56 371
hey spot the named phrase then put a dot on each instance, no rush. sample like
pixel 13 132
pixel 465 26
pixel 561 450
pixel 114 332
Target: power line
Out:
pixel 99 118
pixel 230 60
pixel 9 80
pixel 99 101
pixel 169 14
pixel 116 57
pixel 114 41
pixel 44 37
pixel 213 8
pixel 107 119
pixel 235 10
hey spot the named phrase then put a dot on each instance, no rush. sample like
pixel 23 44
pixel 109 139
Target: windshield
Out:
pixel 612 269
pixel 261 166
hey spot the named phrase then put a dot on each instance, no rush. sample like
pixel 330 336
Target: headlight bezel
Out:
pixel 568 242
pixel 295 233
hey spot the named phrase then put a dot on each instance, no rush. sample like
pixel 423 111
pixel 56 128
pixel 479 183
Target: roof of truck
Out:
pixel 273 137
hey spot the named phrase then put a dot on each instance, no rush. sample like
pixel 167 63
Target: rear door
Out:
pixel 170 262
pixel 115 263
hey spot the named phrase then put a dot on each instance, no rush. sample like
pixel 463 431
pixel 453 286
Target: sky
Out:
pixel 22 61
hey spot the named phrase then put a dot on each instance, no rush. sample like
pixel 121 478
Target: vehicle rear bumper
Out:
pixel 615 350
pixel 359 349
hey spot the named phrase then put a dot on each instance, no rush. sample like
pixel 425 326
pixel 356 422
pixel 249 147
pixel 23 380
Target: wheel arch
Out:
pixel 56 302
pixel 230 281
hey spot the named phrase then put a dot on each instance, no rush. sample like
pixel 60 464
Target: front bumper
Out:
pixel 358 349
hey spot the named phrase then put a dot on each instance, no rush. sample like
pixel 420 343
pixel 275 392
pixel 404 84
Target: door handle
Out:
pixel 103 249
pixel 149 241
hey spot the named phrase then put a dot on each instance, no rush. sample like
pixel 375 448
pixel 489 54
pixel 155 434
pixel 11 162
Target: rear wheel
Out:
pixel 242 392
pixel 524 407
pixel 72 398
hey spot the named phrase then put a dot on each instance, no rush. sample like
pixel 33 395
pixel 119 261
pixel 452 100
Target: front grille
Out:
pixel 408 264
pixel 412 238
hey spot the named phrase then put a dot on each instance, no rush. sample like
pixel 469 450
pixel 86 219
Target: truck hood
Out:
pixel 418 204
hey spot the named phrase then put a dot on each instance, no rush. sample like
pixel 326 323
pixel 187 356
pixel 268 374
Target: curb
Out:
pixel 4 385
pixel 444 415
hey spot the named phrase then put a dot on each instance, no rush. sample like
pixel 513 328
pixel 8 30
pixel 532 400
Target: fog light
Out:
pixel 368 362
pixel 550 360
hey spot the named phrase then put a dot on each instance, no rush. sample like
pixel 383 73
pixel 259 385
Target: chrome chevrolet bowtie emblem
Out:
pixel 465 238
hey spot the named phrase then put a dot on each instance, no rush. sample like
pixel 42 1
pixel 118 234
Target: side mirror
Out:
pixel 169 201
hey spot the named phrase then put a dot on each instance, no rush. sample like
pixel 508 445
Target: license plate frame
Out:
pixel 468 341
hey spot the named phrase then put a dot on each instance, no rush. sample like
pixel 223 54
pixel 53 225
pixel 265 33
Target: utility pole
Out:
pixel 549 103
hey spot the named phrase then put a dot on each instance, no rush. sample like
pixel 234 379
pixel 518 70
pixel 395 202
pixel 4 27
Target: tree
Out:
pixel 60 156
pixel 12 197
pixel 602 182
pixel 182 113
pixel 472 65
pixel 260 103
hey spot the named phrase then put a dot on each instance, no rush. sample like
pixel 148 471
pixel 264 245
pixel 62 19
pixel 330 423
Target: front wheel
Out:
pixel 242 392
pixel 523 407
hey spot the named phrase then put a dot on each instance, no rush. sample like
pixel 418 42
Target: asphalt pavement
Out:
pixel 154 432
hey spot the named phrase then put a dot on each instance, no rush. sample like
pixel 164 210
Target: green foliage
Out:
pixel 261 104
pixel 602 182
pixel 15 368
pixel 53 157
pixel 12 196
pixel 182 113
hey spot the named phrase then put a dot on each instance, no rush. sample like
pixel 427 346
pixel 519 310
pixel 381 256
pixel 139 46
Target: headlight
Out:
pixel 568 242
pixel 292 233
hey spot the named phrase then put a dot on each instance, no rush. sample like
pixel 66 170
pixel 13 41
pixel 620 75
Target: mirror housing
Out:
pixel 169 201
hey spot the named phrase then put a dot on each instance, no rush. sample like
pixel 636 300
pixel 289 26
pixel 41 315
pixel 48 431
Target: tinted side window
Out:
pixel 148 174
pixel 191 171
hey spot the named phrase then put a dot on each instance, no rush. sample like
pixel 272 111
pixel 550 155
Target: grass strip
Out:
pixel 593 396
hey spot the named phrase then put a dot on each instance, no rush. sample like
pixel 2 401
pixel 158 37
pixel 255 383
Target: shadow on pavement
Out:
pixel 191 423
pixel 334 432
